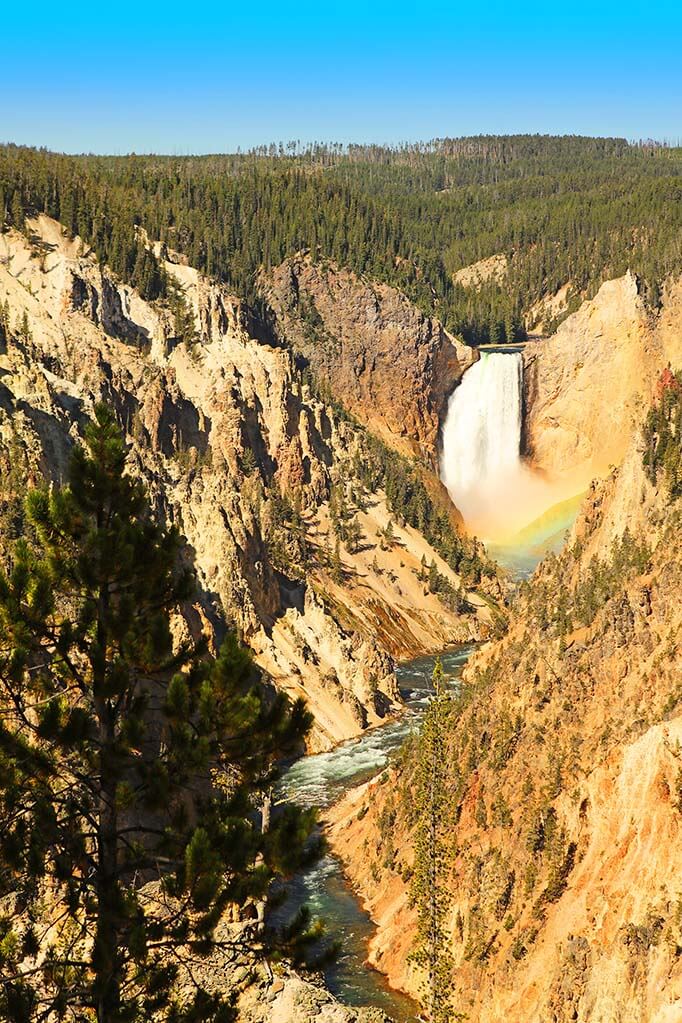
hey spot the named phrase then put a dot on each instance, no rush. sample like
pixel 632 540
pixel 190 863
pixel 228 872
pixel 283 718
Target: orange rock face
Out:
pixel 390 365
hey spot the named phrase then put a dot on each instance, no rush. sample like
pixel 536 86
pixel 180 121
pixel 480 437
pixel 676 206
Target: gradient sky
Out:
pixel 207 77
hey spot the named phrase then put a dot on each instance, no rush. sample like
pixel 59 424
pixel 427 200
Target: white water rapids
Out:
pixel 481 462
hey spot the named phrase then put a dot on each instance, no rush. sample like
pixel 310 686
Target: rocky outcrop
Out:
pixel 262 992
pixel 565 780
pixel 291 997
pixel 493 268
pixel 391 366
pixel 585 387
pixel 541 314
pixel 224 432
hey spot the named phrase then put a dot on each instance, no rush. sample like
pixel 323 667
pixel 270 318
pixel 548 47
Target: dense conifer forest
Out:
pixel 565 210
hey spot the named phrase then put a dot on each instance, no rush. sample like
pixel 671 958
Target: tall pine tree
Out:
pixel 429 882
pixel 130 766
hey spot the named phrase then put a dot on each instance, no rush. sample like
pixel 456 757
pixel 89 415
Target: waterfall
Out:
pixel 480 461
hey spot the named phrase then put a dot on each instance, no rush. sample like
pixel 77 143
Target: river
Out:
pixel 321 780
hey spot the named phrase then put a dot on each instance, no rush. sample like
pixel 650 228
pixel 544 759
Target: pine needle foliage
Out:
pixel 662 435
pixel 130 765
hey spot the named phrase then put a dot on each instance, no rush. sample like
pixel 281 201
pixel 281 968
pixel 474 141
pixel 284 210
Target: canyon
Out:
pixel 253 439
pixel 563 746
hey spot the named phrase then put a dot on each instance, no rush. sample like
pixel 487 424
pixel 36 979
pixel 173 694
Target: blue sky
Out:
pixel 209 77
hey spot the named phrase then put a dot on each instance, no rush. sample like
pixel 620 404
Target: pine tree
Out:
pixel 184 323
pixel 387 536
pixel 24 328
pixel 130 766
pixel 248 461
pixel 353 535
pixel 429 881
pixel 4 325
pixel 336 563
pixel 17 210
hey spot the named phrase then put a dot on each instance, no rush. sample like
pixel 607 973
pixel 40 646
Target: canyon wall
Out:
pixel 392 366
pixel 586 387
pixel 222 429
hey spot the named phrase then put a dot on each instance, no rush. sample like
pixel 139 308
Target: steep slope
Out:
pixel 259 472
pixel 393 366
pixel 564 779
pixel 586 387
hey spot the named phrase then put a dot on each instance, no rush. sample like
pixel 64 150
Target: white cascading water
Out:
pixel 482 432
pixel 480 461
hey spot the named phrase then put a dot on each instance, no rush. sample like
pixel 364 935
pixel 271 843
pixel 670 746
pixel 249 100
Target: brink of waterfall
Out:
pixel 481 464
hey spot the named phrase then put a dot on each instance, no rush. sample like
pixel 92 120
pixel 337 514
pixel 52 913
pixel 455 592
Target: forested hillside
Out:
pixel 565 211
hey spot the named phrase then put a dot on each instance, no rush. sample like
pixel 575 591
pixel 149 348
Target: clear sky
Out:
pixel 209 77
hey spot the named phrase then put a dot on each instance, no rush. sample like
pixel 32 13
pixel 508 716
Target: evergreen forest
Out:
pixel 563 211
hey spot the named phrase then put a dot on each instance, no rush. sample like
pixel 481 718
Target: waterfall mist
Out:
pixel 481 463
